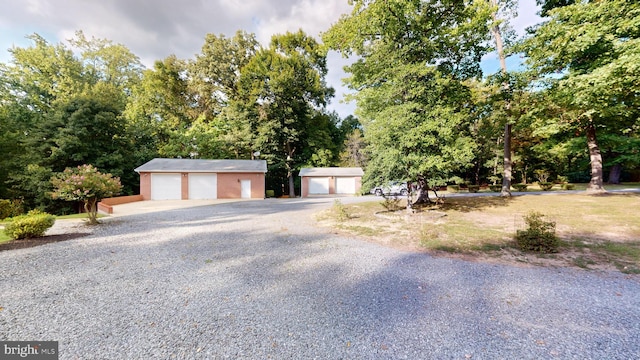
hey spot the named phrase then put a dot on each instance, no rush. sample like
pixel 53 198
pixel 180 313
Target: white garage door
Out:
pixel 166 187
pixel 345 185
pixel 203 186
pixel 318 186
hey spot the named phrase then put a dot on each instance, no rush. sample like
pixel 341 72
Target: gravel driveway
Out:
pixel 257 280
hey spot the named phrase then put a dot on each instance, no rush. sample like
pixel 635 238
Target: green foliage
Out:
pixel 568 186
pixel 546 186
pixel 281 89
pixel 340 211
pixel 520 187
pixel 409 82
pixel 87 185
pixel 453 188
pixel 587 55
pixel 495 188
pixel 270 193
pixel 540 235
pixel 10 208
pixel 33 183
pixel 473 188
pixel 34 224
pixel 390 202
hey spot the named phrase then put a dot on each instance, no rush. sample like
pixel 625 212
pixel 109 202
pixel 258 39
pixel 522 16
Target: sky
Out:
pixel 155 29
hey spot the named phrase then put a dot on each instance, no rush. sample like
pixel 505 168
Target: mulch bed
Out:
pixel 27 243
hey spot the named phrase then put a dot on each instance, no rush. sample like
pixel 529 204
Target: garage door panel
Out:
pixel 166 187
pixel 203 186
pixel 345 185
pixel 318 186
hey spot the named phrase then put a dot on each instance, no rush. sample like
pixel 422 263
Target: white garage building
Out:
pixel 198 179
pixel 331 181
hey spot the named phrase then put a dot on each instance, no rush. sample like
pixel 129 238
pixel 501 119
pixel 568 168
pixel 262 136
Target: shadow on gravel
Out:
pixel 27 243
pixel 249 280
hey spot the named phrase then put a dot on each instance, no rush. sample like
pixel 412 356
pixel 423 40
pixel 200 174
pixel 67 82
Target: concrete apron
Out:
pixel 140 207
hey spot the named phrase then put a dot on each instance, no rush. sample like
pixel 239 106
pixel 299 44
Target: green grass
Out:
pixel 593 229
pixel 77 216
pixel 4 237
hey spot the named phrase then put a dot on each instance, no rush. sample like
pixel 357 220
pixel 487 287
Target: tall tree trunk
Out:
pixel 595 157
pixel 290 152
pixel 292 189
pixel 614 174
pixel 506 175
pixel 421 193
pixel 497 35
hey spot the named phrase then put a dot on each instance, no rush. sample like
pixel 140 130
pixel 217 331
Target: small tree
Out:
pixel 86 184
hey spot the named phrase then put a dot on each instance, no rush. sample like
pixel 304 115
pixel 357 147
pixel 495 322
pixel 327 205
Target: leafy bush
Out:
pixel 569 186
pixel 34 224
pixel 391 203
pixel 520 187
pixel 271 193
pixel 540 235
pixel 473 188
pixel 495 188
pixel 453 188
pixel 340 211
pixel 542 175
pixel 546 186
pixel 10 208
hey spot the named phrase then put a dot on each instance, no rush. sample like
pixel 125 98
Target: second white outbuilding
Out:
pixel 331 181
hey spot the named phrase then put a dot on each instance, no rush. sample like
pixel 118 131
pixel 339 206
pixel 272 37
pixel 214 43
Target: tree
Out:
pixel 64 110
pixel 215 72
pixel 354 154
pixel 414 58
pixel 42 74
pixel 497 29
pixel 87 185
pixel 160 109
pixel 283 86
pixel 82 131
pixel 108 66
pixel 592 49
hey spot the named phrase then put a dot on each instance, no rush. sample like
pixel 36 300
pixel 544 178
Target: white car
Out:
pixel 391 188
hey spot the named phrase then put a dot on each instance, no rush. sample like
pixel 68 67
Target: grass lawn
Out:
pixel 600 231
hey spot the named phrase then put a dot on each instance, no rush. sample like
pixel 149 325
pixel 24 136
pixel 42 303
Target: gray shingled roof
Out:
pixel 332 171
pixel 201 165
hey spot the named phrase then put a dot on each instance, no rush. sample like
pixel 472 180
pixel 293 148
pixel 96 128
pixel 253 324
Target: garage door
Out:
pixel 319 186
pixel 345 185
pixel 203 186
pixel 166 187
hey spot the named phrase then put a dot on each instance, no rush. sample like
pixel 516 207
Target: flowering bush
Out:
pixel 86 184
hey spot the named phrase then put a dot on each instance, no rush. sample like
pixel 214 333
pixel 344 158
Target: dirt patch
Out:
pixel 27 243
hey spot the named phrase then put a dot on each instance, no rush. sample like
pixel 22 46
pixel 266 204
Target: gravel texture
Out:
pixel 257 280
